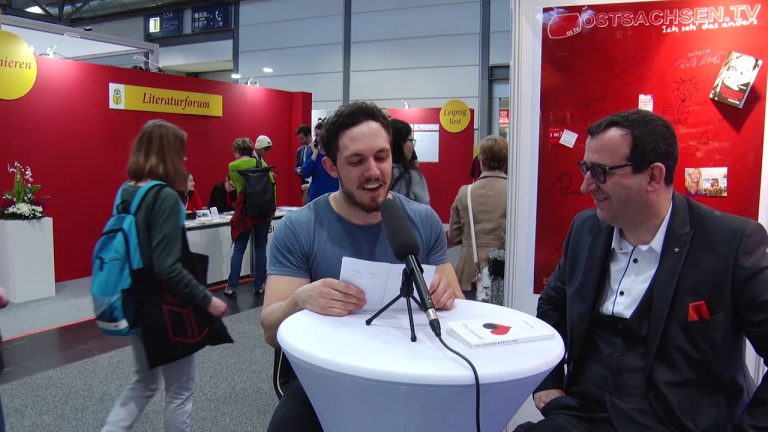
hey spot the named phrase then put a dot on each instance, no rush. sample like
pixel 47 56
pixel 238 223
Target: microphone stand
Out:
pixel 406 292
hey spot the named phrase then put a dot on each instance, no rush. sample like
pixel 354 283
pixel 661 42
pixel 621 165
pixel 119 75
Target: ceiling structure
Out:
pixel 74 12
pixel 62 30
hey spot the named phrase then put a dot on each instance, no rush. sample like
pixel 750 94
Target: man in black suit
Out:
pixel 654 296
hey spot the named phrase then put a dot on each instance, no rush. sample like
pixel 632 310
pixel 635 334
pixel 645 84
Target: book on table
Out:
pixel 484 332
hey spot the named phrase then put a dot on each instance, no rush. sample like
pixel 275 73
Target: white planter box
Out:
pixel 26 259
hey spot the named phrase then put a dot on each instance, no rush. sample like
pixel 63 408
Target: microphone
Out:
pixel 406 248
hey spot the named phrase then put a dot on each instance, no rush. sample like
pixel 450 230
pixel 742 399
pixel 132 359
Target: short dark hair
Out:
pixel 347 117
pixel 303 130
pixel 400 132
pixel 653 139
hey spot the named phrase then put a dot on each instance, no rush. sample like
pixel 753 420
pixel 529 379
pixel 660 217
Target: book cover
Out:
pixel 488 332
pixel 735 79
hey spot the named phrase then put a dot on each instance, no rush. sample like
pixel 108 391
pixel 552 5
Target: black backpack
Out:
pixel 259 191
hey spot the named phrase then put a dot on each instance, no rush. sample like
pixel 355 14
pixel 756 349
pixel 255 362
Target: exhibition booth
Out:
pixel 68 131
pixel 75 122
pixel 697 63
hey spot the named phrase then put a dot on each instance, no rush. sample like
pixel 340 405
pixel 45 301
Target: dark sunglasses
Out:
pixel 599 172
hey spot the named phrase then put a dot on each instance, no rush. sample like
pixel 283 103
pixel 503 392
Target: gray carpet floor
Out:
pixel 233 390
pixel 72 302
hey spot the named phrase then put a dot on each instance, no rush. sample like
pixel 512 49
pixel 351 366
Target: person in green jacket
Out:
pixel 248 155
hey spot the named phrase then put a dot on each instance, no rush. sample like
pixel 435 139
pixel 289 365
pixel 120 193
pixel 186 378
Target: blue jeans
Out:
pixel 258 255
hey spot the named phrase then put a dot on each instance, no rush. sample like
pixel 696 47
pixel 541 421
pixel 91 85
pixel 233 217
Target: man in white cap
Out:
pixel 262 147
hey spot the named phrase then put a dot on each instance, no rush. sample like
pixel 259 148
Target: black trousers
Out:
pixel 294 412
pixel 565 423
pixel 568 413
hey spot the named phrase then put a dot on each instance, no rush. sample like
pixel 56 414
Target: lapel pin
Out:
pixel 677 250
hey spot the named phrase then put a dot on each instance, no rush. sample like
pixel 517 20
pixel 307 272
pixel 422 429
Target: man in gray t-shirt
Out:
pixel 314 239
pixel 306 250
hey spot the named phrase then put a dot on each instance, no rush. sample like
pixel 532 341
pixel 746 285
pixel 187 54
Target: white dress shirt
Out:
pixel 631 271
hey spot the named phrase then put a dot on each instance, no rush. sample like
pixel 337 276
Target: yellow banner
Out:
pixel 150 99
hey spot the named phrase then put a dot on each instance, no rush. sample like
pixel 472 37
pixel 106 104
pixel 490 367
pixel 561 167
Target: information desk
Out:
pixel 374 378
pixel 213 238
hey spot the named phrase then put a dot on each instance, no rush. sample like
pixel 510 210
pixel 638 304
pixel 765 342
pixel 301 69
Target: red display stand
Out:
pixel 599 59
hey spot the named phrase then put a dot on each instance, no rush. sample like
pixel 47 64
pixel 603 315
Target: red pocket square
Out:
pixel 698 311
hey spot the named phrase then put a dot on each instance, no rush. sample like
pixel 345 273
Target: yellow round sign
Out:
pixel 454 116
pixel 18 66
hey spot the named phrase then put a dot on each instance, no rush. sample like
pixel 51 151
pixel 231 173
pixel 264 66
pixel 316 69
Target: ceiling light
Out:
pixel 267 69
pixel 34 9
pixel 235 76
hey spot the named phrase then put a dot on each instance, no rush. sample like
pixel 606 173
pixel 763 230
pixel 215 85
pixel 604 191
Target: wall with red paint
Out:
pixel 598 59
pixel 445 177
pixel 78 148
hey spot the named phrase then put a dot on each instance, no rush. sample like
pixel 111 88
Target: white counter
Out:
pixel 213 238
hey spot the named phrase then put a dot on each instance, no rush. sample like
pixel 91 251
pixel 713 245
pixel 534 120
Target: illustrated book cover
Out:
pixel 488 332
pixel 736 77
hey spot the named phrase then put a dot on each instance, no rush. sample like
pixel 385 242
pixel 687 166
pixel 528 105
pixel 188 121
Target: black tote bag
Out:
pixel 171 328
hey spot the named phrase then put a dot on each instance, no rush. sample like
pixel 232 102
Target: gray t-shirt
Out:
pixel 310 242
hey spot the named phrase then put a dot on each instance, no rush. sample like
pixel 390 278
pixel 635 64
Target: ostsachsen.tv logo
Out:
pixel 564 25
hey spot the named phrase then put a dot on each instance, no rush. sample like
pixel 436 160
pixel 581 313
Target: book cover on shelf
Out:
pixel 735 79
pixel 488 332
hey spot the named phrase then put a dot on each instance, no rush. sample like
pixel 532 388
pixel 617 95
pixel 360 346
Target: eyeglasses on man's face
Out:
pixel 599 172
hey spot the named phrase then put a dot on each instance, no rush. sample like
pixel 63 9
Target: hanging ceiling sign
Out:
pixel 164 24
pixel 207 18
pixel 135 98
pixel 18 66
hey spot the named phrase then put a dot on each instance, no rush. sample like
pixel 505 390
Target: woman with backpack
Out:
pixel 158 154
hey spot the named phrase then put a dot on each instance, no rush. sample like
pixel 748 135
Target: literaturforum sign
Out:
pixel 18 67
pixel 135 98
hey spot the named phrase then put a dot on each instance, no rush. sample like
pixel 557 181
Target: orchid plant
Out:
pixel 20 202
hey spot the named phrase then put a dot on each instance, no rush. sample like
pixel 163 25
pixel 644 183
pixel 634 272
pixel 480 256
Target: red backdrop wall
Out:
pixel 445 177
pixel 78 148
pixel 622 51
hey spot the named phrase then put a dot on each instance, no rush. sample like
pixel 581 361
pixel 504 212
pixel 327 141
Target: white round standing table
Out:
pixel 373 378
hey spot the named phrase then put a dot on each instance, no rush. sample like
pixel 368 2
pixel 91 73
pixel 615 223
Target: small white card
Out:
pixel 645 102
pixel 203 215
pixel 214 213
pixel 569 138
pixel 380 281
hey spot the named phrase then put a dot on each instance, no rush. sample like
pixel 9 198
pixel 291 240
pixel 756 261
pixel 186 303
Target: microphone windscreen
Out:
pixel 400 234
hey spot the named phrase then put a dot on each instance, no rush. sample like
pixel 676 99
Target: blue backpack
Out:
pixel 116 255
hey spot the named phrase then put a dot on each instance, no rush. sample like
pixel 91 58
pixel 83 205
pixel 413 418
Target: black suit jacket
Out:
pixel 697 378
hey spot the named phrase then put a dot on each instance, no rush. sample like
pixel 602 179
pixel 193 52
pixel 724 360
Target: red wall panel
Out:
pixel 615 52
pixel 78 148
pixel 444 178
